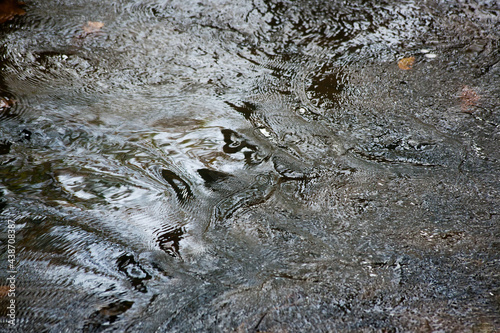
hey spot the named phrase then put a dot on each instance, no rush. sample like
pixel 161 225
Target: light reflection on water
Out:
pixel 245 165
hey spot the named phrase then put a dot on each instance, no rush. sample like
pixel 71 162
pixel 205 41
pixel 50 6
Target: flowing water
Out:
pixel 251 166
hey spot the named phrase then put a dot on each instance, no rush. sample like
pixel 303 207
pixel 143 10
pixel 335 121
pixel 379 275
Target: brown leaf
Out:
pixel 406 63
pixel 4 291
pixel 9 9
pixel 469 98
pixel 92 27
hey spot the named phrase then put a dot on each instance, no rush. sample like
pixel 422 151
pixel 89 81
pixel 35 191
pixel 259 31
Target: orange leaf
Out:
pixel 92 27
pixel 469 98
pixel 406 63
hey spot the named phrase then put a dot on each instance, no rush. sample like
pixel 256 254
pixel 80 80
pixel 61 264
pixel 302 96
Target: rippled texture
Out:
pixel 251 166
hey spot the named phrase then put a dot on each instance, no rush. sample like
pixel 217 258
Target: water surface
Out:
pixel 251 166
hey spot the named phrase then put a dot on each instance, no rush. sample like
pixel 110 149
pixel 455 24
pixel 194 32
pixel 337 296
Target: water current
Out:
pixel 250 166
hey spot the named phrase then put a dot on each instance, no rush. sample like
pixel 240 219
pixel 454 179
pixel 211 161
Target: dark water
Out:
pixel 251 166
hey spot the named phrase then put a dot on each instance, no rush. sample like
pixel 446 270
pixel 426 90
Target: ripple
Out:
pixel 146 10
pixel 254 192
pixel 134 271
pixel 106 315
pixel 180 186
pixel 326 88
pixel 12 106
pixel 169 238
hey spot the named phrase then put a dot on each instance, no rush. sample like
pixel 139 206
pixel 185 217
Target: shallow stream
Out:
pixel 251 166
